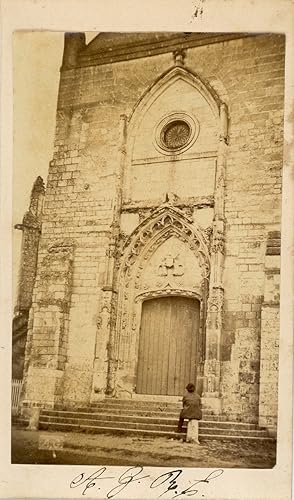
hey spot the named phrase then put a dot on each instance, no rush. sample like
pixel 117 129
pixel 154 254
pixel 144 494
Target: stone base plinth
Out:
pixel 34 416
pixel 270 423
pixel 192 432
pixel 43 387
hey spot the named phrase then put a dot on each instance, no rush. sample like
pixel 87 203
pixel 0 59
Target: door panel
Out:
pixel 167 356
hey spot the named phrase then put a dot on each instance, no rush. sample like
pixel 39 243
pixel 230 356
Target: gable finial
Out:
pixel 179 57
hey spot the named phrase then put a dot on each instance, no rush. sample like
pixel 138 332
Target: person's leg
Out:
pixel 180 424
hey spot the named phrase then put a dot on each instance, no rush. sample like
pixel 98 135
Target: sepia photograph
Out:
pixel 147 248
pixel 146 284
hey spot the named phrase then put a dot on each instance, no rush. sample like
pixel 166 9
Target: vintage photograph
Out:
pixel 146 324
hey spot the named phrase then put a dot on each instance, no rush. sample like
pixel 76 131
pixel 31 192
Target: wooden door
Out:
pixel 167 359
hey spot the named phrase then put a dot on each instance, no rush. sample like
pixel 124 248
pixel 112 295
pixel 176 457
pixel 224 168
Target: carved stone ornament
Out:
pixel 207 233
pixel 218 243
pixel 179 57
pixel 216 299
pixel 165 222
pixel 144 214
pixel 170 264
pixel 170 292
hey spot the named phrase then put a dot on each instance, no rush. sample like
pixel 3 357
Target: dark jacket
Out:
pixel 191 406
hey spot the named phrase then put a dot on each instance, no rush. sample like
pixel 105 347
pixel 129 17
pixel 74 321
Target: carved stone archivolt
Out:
pixel 161 225
pixel 168 292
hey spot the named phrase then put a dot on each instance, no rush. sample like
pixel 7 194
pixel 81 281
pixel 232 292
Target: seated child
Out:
pixel 191 406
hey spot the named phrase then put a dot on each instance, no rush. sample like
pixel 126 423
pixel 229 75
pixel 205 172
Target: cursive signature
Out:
pixel 174 482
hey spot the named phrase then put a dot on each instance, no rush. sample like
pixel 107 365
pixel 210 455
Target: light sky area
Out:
pixel 37 57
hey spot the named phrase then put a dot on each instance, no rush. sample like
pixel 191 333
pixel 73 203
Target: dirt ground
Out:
pixel 102 449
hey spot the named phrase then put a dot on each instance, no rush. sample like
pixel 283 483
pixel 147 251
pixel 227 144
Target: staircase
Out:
pixel 147 418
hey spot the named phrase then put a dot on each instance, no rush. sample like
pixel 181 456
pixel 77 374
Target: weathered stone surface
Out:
pixel 126 219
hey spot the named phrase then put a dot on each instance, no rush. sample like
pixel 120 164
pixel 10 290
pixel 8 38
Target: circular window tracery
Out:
pixel 176 134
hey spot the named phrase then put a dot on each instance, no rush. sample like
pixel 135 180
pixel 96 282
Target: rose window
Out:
pixel 176 134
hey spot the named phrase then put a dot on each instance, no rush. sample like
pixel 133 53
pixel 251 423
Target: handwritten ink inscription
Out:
pixel 171 484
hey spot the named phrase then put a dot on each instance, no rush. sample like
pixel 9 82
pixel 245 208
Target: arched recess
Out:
pixel 167 226
pixel 164 81
pixel 178 94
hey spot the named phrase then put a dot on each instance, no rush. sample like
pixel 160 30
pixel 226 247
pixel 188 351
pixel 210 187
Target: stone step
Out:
pixel 20 421
pixel 156 427
pixel 137 403
pixel 151 418
pixel 143 432
pixel 127 411
pixel 130 410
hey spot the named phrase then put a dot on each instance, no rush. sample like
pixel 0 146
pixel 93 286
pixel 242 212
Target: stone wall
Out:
pixel 84 201
pixel 270 341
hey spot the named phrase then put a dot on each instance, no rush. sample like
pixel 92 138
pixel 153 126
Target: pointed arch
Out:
pixel 164 222
pixel 163 82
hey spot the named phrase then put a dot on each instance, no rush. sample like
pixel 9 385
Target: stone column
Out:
pixel 211 388
pixel 106 335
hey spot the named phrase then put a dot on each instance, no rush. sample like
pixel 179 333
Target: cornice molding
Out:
pixel 135 50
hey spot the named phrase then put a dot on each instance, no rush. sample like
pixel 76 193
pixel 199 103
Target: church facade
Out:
pixel 158 261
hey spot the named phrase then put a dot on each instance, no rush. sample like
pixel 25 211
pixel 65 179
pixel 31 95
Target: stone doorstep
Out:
pixel 131 411
pixel 137 403
pixel 159 426
pixel 150 418
pixel 121 431
pixel 127 406
pixel 143 413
